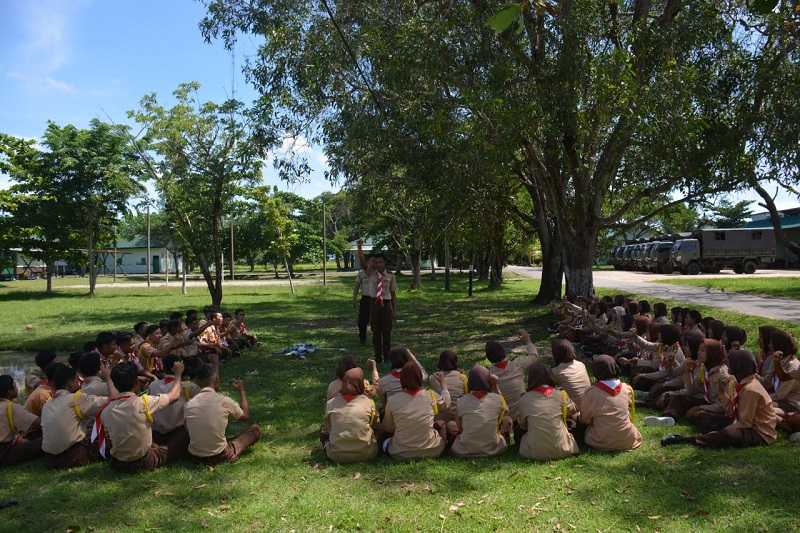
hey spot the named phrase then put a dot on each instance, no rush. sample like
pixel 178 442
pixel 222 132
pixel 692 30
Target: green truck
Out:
pixel 711 250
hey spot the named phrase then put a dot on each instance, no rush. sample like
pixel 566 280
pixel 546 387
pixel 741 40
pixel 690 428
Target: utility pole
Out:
pixel 471 270
pixel 114 279
pixel 183 274
pixel 149 257
pixel 232 275
pixel 324 249
pixel 446 263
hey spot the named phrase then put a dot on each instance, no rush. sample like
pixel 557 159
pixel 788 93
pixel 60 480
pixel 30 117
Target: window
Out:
pixel 719 236
pixel 142 261
pixel 756 235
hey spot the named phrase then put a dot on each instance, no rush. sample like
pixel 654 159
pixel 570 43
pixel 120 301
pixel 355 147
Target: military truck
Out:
pixel 712 250
pixel 659 258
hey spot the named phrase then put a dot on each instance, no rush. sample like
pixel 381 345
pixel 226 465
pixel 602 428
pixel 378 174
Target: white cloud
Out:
pixel 59 85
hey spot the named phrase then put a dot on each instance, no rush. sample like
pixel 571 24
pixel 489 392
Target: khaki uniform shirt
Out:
pixel 147 356
pixel 137 341
pixel 609 420
pixel 14 419
pixel 349 426
pixel 40 396
pixel 545 419
pixel 410 419
pixel 335 387
pixel 573 378
pixel 480 425
pixel 389 385
pixel 754 410
pixel 511 380
pixel 206 420
pixel 370 287
pixel 129 424
pixel 789 390
pixel 456 383
pixel 171 417
pixel 64 419
pixel 210 335
pixel 95 386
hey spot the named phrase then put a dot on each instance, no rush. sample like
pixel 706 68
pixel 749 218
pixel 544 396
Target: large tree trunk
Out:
pixel 496 270
pixel 775 218
pixel 50 268
pixel 483 266
pixel 415 257
pixel 447 265
pixel 552 264
pixel 578 260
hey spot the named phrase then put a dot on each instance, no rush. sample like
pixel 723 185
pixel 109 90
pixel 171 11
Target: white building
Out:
pixel 132 258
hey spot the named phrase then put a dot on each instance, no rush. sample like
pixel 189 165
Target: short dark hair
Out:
pixel 644 307
pixel 89 346
pixel 74 360
pixel 619 300
pixel 6 385
pixel 44 358
pixel 174 325
pixel 204 375
pixel 670 334
pixel 191 315
pixel 50 371
pixel 139 327
pixel 90 364
pixel 105 337
pixel 124 336
pixel 175 315
pixel 660 309
pixel 169 362
pixel 152 328
pixel 62 375
pixel 695 315
pixel 191 365
pixel 162 325
pixel 124 376
pixel 227 315
pixel 398 356
pixel 495 351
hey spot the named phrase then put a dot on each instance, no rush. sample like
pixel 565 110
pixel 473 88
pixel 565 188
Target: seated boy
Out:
pixel 43 393
pixel 244 333
pixel 36 375
pixel 511 373
pixel 93 384
pixel 17 427
pixel 207 418
pixel 170 419
pixel 127 423
pixel 65 440
pixel 108 347
pixel 138 335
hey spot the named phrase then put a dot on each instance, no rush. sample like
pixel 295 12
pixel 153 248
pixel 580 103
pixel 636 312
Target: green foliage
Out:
pixel 504 18
pixel 731 215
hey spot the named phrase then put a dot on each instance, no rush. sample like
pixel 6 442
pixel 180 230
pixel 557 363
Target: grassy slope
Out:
pixel 780 287
pixel 285 482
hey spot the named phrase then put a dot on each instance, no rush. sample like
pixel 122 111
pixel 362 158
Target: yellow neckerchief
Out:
pixel 633 403
pixel 185 391
pixel 373 415
pixel 564 406
pixel 76 396
pixel 435 402
pixel 502 414
pixel 702 373
pixel 10 416
pixel 464 379
pixel 147 414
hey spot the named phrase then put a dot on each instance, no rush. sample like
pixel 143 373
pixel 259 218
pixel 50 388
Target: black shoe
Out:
pixel 671 440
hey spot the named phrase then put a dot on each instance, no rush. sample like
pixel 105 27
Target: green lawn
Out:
pixel 286 484
pixel 781 287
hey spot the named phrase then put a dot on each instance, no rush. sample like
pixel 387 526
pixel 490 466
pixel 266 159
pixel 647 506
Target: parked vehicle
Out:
pixel 712 250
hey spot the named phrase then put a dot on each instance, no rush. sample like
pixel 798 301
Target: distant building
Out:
pixel 790 223
pixel 132 258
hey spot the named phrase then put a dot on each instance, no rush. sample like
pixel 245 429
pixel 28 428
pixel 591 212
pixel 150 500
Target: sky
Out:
pixel 70 61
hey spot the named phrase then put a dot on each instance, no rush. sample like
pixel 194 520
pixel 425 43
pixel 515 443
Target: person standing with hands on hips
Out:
pixel 361 286
pixel 382 290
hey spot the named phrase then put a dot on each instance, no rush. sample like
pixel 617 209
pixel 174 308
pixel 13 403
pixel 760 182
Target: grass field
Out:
pixel 779 287
pixel 286 484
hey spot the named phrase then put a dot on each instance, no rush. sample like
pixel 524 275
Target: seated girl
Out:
pixel 410 418
pixel 453 379
pixel 346 363
pixel 389 385
pixel 482 425
pixel 705 356
pixel 607 408
pixel 667 352
pixel 348 434
pixel 786 364
pixel 734 338
pixel 543 414
pixel 569 373
pixel 629 356
pixel 766 366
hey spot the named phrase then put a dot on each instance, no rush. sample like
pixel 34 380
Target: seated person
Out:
pixel 510 373
pixel 410 418
pixel 348 432
pixel 734 338
pixel 65 421
pixel 207 419
pixel 36 375
pixel 607 409
pixel 569 373
pixel 170 419
pixel 482 420
pixel 704 355
pixel 138 335
pixel 669 355
pixel 20 439
pixel 209 340
pixel 346 363
pixel 151 352
pixel 108 348
pixel 244 333
pixel 787 393
pixel 389 385
pixel 455 381
pixel 660 313
pixel 74 362
pixel 126 423
pixel 544 411
pixel 43 393
pixel 93 384
pixel 766 366
pixel 755 419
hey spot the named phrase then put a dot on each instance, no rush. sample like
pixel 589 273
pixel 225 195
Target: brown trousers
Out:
pixel 380 321
pixel 363 318
pixel 235 448
pixel 175 444
pixel 679 404
pixel 730 437
pixel 707 422
pixel 79 454
pixel 20 450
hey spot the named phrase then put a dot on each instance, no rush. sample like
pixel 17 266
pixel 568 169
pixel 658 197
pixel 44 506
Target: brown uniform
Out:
pixel 147 356
pixel 381 315
pixel 65 421
pixel 409 417
pixel 335 387
pixel 95 386
pixel 609 419
pixel 511 380
pixel 389 385
pixel 40 396
pixel 573 378
pixel 787 395
pixel 456 383
pixel 207 419
pixel 481 418
pixel 544 413
pixel 15 420
pixel 171 417
pixel 350 428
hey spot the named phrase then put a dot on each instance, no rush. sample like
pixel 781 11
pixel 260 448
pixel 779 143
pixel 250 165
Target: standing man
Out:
pixel 362 286
pixel 382 308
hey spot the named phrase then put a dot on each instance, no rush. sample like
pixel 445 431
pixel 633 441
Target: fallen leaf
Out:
pixel 456 507
pixel 357 475
pixel 200 486
pixel 654 517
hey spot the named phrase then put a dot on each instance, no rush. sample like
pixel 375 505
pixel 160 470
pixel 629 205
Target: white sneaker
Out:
pixel 795 437
pixel 661 421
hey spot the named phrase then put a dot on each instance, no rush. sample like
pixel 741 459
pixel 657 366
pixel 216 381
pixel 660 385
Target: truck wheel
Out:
pixel 666 269
pixel 750 267
pixel 738 269
pixel 693 269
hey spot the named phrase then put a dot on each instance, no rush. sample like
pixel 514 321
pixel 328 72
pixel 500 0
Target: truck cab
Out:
pixel 685 254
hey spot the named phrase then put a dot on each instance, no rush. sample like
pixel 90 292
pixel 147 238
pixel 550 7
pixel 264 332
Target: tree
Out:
pixel 727 214
pixel 201 156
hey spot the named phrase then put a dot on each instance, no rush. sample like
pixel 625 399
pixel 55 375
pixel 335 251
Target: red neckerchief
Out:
pixel 480 394
pixel 502 364
pixel 349 397
pixel 412 392
pixel 168 379
pixel 395 373
pixel 613 392
pixel 547 390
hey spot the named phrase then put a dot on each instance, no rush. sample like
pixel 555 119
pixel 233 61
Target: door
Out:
pixel 156 264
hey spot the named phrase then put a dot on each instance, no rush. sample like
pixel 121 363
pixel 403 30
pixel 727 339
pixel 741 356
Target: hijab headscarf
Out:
pixel 411 377
pixel 606 371
pixel 540 379
pixel 479 381
pixel 563 351
pixel 345 363
pixel 448 361
pixel 353 383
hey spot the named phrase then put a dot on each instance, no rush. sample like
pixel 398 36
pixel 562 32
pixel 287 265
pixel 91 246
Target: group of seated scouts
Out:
pixel 139 399
pixel 688 366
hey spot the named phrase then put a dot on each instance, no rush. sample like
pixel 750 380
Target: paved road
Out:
pixel 641 283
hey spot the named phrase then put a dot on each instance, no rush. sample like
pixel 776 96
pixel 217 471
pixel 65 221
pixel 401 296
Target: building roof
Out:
pixel 788 221
pixel 138 242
